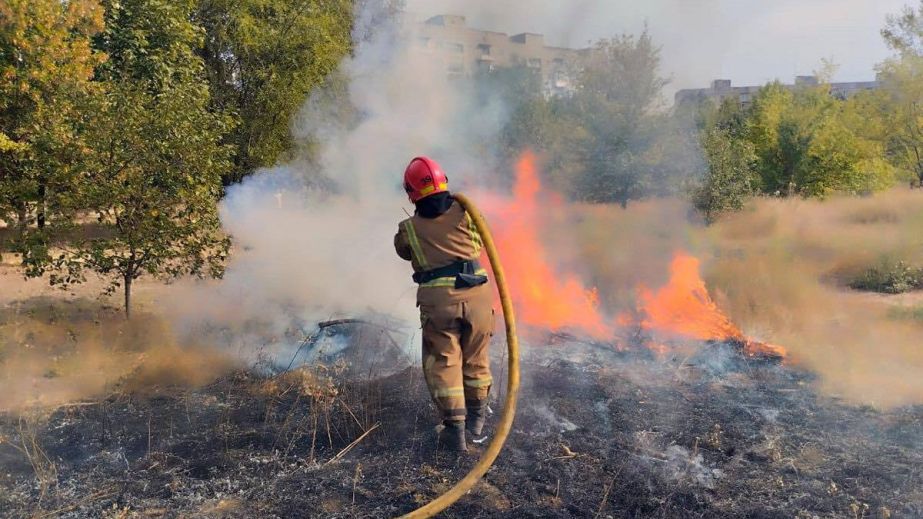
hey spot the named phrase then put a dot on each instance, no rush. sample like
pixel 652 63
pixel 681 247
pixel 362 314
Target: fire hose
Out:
pixel 512 389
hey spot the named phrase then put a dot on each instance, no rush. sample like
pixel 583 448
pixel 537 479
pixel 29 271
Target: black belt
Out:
pixel 468 267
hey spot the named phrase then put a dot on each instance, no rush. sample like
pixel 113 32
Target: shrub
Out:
pixel 890 277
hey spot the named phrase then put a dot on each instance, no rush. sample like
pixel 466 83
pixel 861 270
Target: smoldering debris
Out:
pixel 369 348
pixel 644 437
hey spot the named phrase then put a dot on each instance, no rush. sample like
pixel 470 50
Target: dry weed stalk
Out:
pixel 46 472
pixel 356 476
pixel 315 391
pixel 353 444
pixel 602 503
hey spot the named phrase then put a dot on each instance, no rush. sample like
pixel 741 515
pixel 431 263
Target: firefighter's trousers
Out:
pixel 456 339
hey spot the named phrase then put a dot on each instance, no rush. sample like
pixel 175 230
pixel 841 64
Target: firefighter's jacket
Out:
pixel 430 243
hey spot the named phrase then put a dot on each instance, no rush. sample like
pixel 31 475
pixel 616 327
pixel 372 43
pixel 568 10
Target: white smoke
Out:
pixel 307 254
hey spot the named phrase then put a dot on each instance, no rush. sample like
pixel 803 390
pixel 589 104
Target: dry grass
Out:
pixel 55 351
pixel 781 270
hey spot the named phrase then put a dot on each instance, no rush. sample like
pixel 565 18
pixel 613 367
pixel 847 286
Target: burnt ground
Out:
pixel 598 434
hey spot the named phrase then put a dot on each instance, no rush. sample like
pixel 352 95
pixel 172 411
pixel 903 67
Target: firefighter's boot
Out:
pixel 477 415
pixel 452 437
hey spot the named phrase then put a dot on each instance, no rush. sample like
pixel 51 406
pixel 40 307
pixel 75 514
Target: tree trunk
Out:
pixel 23 218
pixel 128 281
pixel 41 206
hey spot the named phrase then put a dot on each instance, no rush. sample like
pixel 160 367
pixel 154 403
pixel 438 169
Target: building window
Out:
pixel 453 47
pixel 561 79
pixel 484 49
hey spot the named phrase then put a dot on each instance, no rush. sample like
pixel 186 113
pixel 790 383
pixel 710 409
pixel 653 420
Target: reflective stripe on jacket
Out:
pixel 430 243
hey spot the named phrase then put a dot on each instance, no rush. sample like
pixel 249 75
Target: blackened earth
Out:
pixel 599 433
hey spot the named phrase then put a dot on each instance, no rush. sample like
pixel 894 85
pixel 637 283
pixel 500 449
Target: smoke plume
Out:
pixel 310 253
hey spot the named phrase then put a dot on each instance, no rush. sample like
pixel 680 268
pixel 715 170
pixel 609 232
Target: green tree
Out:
pixel 901 102
pixel 154 176
pixel 901 106
pixel 728 115
pixel 730 178
pixel 811 144
pixel 904 32
pixel 552 128
pixel 846 153
pixel 46 67
pixel 608 142
pixel 619 88
pixel 263 58
pixel 779 139
pixel 549 126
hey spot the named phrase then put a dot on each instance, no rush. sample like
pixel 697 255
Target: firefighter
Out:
pixel 455 300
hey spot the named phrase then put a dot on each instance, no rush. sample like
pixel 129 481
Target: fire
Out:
pixel 684 308
pixel 549 299
pixel 543 297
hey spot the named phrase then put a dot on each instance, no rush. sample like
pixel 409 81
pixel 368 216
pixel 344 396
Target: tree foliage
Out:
pixel 126 111
pixel 730 179
pixel 46 68
pixel 901 100
pixel 904 32
pixel 619 87
pixel 810 143
pixel 901 108
pixel 804 142
pixel 155 154
pixel 609 141
pixel 263 58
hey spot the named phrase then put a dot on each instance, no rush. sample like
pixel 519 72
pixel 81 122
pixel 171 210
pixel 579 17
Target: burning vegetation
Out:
pixel 663 408
pixel 544 296
pixel 548 298
pixel 683 308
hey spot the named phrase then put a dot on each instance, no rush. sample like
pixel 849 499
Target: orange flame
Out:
pixel 683 305
pixel 684 308
pixel 549 299
pixel 543 297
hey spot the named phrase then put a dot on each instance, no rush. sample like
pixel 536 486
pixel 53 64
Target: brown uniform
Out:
pixel 457 322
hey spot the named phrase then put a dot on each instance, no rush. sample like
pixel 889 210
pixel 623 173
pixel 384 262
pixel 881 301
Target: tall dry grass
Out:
pixel 781 270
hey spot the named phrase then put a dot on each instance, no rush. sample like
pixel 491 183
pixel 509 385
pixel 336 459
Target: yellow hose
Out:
pixel 509 408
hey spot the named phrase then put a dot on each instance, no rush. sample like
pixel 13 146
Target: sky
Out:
pixel 747 41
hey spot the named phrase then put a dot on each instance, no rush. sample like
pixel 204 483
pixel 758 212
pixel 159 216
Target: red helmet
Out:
pixel 424 177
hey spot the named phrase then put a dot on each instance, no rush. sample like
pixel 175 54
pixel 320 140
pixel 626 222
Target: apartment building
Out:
pixel 466 51
pixel 722 89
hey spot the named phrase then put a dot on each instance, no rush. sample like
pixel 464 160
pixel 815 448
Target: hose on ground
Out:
pixel 512 389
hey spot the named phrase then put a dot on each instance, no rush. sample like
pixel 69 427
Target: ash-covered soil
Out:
pixel 598 434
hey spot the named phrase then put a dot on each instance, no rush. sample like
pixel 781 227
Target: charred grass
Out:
pixel 599 434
